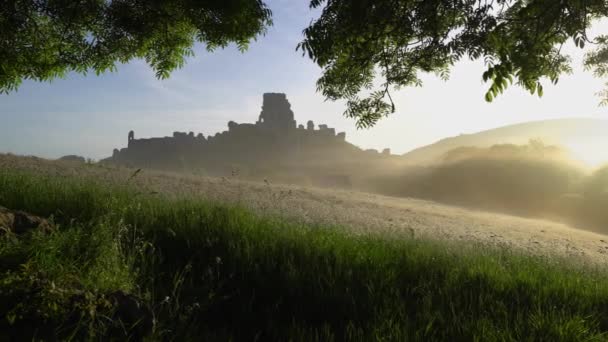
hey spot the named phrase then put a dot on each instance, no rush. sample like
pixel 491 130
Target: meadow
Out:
pixel 127 263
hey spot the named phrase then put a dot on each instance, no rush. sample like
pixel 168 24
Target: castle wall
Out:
pixel 274 141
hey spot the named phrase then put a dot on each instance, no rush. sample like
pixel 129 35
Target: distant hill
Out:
pixel 73 158
pixel 578 135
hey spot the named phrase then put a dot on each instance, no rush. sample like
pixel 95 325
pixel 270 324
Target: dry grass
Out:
pixel 218 272
pixel 360 213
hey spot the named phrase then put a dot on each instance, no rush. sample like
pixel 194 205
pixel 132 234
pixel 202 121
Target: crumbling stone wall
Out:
pixel 274 141
pixel 276 112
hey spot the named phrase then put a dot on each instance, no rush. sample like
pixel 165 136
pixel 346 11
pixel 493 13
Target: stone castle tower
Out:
pixel 276 112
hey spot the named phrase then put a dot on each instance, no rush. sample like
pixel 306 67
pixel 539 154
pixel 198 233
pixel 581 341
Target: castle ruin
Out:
pixel 274 141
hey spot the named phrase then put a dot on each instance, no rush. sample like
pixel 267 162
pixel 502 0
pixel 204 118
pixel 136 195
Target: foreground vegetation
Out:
pixel 125 264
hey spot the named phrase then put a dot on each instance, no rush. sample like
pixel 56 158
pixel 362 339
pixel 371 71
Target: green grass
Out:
pixel 215 272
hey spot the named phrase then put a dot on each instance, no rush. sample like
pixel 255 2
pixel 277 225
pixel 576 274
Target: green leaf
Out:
pixel 489 97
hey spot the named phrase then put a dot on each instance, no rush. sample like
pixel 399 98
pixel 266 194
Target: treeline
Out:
pixel 534 180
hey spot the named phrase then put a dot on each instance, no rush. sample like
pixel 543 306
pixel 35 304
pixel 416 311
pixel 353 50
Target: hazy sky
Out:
pixel 91 115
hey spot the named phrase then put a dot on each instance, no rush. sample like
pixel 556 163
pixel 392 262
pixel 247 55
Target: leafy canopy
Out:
pixel 45 39
pixel 354 41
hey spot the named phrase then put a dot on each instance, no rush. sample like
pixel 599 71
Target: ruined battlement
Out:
pixel 274 138
pixel 276 112
pixel 276 118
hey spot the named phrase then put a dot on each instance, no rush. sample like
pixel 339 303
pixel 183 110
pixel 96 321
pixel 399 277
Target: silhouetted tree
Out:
pixel 353 40
pixel 46 39
pixel 520 41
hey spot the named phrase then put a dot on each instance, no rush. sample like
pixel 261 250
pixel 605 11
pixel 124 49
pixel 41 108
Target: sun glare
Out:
pixel 592 152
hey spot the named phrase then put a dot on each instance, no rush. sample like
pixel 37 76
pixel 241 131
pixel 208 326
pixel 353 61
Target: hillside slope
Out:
pixel 85 258
pixel 573 133
pixel 362 213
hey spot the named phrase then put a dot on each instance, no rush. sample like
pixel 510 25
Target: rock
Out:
pixel 19 222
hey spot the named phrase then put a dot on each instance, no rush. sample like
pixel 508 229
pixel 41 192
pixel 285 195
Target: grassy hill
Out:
pixel 119 263
pixel 585 133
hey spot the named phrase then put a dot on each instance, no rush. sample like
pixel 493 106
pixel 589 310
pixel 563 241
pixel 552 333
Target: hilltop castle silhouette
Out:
pixel 274 141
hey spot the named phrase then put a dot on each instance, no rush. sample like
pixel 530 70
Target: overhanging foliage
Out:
pixel 354 41
pixel 45 39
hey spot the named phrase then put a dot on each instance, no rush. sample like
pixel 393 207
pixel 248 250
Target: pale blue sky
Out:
pixel 91 115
